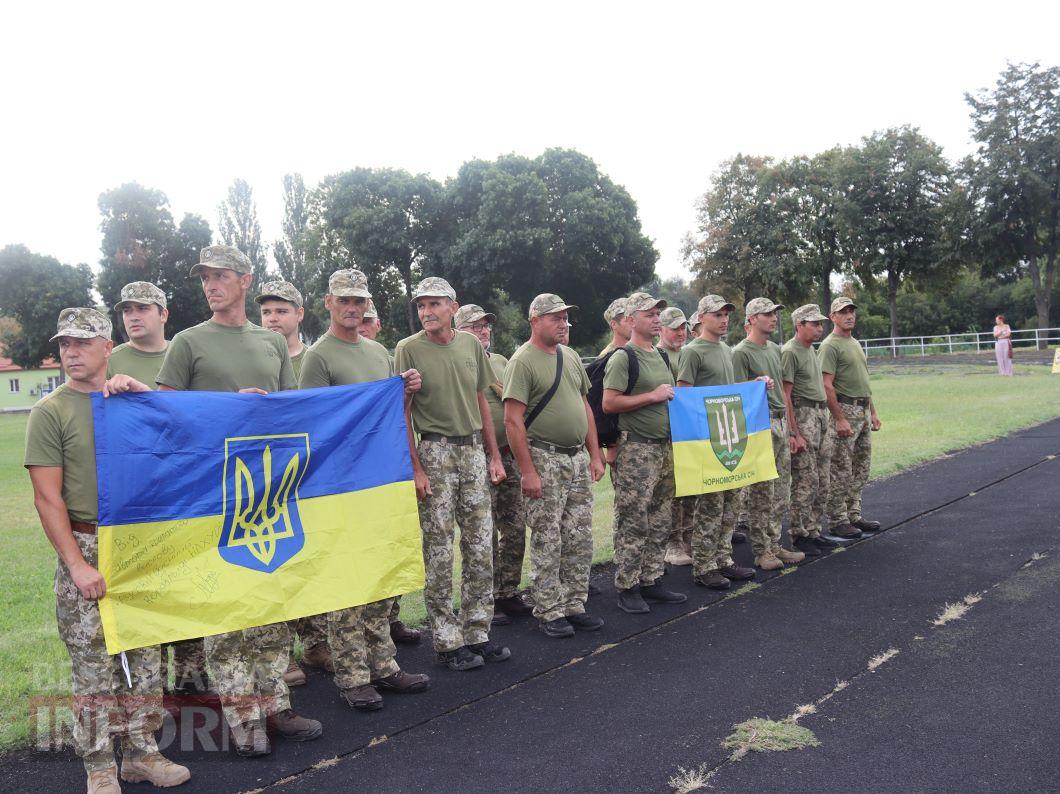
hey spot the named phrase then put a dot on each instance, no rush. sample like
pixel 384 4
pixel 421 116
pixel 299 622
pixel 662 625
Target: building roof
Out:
pixel 7 365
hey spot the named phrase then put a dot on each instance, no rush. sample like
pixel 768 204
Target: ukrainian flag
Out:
pixel 721 437
pixel 219 512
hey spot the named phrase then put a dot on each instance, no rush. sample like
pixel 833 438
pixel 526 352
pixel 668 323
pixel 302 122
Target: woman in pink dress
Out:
pixel 1003 347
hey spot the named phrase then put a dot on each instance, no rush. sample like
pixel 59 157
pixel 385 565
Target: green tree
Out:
pixel 898 181
pixel 141 243
pixel 33 290
pixel 297 258
pixel 237 225
pixel 1014 177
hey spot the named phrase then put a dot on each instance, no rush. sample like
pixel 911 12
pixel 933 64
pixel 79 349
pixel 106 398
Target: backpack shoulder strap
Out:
pixel 634 369
pixel 551 390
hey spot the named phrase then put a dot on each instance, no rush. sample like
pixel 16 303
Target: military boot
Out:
pixel 319 655
pixel 156 769
pixel 676 555
pixel 768 562
pixel 291 726
pixel 402 634
pixel 295 675
pixel 788 556
pixel 251 739
pixel 104 781
pixel 403 683
pixel 363 698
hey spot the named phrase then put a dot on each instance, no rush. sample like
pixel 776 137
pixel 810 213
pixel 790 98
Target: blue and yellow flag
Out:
pixel 721 437
pixel 219 512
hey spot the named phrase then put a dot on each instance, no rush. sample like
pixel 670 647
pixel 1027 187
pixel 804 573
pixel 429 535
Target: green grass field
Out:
pixel 926 412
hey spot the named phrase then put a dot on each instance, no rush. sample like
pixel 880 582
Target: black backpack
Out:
pixel 607 424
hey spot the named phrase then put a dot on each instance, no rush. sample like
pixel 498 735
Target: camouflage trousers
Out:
pixel 810 470
pixel 246 670
pixel 644 491
pixel 682 511
pixel 712 524
pixel 460 485
pixel 395 610
pixel 561 534
pixel 851 458
pixel 104 705
pixel 312 630
pixel 509 530
pixel 767 502
pixel 188 664
pixel 360 643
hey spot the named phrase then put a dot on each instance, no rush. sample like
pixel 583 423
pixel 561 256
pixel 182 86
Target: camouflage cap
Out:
pixel 370 313
pixel 433 287
pixel 225 257
pixel 284 290
pixel 547 303
pixel 672 317
pixel 348 283
pixel 472 313
pixel 82 323
pixel 810 313
pixel 693 321
pixel 713 303
pixel 141 292
pixel 616 309
pixel 643 302
pixel 761 306
pixel 841 303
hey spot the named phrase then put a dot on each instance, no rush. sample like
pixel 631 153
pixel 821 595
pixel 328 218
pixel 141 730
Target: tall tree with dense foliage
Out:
pixel 237 225
pixel 897 183
pixel 141 243
pixel 33 290
pixel 1014 176
pixel 296 255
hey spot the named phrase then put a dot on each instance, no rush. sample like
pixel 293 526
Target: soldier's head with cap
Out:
pixel 809 323
pixel 713 313
pixel 226 275
pixel 693 324
pixel 347 300
pixel 843 314
pixel 550 320
pixel 644 312
pixel 618 321
pixel 435 302
pixel 143 311
pixel 475 320
pixel 371 325
pixel 674 332
pixel 281 307
pixel 762 316
pixel 84 343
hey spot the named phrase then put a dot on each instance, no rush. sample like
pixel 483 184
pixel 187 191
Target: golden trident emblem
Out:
pixel 254 521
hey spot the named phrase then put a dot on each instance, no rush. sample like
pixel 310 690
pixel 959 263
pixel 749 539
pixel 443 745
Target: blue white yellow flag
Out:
pixel 219 512
pixel 721 437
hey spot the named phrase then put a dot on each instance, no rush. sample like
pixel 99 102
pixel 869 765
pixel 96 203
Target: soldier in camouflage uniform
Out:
pixel 61 459
pixel 559 459
pixel 756 357
pixel 227 353
pixel 509 522
pixel 811 446
pixel 452 475
pixel 644 481
pixel 672 338
pixel 849 393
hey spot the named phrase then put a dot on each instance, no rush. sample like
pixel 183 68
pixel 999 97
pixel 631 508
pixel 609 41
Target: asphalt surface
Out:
pixel 970 705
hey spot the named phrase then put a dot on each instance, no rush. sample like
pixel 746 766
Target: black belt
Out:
pixel 458 441
pixel 570 451
pixel 853 400
pixel 802 402
pixel 642 440
pixel 83 527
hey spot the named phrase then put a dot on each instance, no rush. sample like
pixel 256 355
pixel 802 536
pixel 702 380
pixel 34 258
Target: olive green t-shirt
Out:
pixel 335 362
pixel 297 360
pixel 705 363
pixel 59 433
pixel 531 373
pixel 750 361
pixel 141 365
pixel 802 369
pixel 651 421
pixel 453 374
pixel 214 357
pixel 842 357
pixel 675 358
pixel 498 364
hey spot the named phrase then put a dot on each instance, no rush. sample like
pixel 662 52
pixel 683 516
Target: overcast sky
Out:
pixel 186 96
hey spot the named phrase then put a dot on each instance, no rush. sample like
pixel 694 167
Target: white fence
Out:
pixel 956 343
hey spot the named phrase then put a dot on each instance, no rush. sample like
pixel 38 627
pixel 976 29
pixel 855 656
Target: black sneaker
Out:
pixel 632 601
pixel 557 628
pixel 460 659
pixel 584 622
pixel 490 652
pixel 656 592
pixel 822 542
pixel 866 526
pixel 807 547
pixel 512 606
